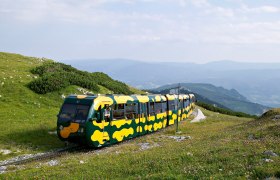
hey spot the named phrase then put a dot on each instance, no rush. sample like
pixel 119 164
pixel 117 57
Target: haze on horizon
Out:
pixel 149 30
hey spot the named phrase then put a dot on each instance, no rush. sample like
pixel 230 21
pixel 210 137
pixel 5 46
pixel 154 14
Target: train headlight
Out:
pixel 60 127
pixel 81 130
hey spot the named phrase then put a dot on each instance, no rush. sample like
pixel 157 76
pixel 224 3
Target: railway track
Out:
pixel 42 156
pixel 57 153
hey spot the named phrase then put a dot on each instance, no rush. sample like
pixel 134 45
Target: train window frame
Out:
pixel 185 103
pixel 181 105
pixel 118 111
pixel 131 114
pixel 171 105
pixel 164 106
pixel 108 118
pixel 77 113
pixel 152 108
pixel 158 107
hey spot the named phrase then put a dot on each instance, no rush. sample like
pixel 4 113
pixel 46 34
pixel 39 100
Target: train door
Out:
pixel 172 112
pixel 106 123
pixel 142 118
pixel 98 128
pixel 180 109
pixel 151 116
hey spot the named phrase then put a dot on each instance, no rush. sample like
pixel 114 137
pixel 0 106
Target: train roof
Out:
pixel 120 98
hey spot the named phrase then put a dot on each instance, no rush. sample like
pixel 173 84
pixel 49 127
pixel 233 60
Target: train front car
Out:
pixel 73 116
pixel 108 119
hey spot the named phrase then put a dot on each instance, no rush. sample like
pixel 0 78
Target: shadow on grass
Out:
pixel 39 139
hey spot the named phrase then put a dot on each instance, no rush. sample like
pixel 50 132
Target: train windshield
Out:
pixel 74 112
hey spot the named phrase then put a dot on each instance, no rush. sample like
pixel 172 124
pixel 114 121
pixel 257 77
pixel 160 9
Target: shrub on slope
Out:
pixel 55 76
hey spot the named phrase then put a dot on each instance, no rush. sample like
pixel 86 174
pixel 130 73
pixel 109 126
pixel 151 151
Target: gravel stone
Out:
pixel 53 163
pixel 3 169
pixel 268 160
pixel 5 151
pixel 180 138
pixel 269 153
pixel 145 146
pixel 276 117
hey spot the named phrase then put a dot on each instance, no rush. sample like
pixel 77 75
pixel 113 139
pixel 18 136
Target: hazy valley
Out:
pixel 258 82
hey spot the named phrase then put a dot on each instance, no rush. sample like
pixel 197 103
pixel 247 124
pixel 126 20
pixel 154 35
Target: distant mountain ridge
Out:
pixel 258 82
pixel 229 99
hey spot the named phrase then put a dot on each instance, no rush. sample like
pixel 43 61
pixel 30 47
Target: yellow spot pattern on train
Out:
pixel 173 119
pixel 100 125
pixel 143 120
pixel 148 127
pixel 119 135
pixel 101 100
pixel 100 136
pixel 161 115
pixel 152 118
pixel 157 126
pixel 123 99
pixel 139 129
pixel 158 98
pixel 119 123
pixel 142 99
pixel 164 123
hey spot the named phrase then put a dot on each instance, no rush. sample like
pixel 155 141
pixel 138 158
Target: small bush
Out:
pixel 50 82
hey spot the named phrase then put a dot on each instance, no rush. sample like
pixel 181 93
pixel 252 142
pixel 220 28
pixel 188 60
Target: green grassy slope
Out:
pixel 27 119
pixel 222 147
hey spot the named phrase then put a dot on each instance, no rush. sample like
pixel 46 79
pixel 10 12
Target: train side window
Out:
pixel 107 112
pixel 152 108
pixel 180 104
pixel 171 105
pixel 164 106
pixel 158 107
pixel 176 104
pixel 131 110
pixel 185 103
pixel 118 111
pixel 98 115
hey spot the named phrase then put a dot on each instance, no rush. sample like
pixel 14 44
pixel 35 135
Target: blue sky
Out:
pixel 149 30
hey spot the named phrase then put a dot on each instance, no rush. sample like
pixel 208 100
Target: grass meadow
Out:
pixel 221 147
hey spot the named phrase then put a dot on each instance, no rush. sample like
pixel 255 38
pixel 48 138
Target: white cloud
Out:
pixel 242 33
pixel 175 22
pixel 261 9
pixel 220 11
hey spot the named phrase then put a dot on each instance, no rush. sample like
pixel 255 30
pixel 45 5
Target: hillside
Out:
pixel 221 147
pixel 230 99
pixel 256 81
pixel 28 119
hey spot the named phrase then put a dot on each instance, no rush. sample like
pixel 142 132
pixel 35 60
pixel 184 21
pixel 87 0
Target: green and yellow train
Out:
pixel 100 120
